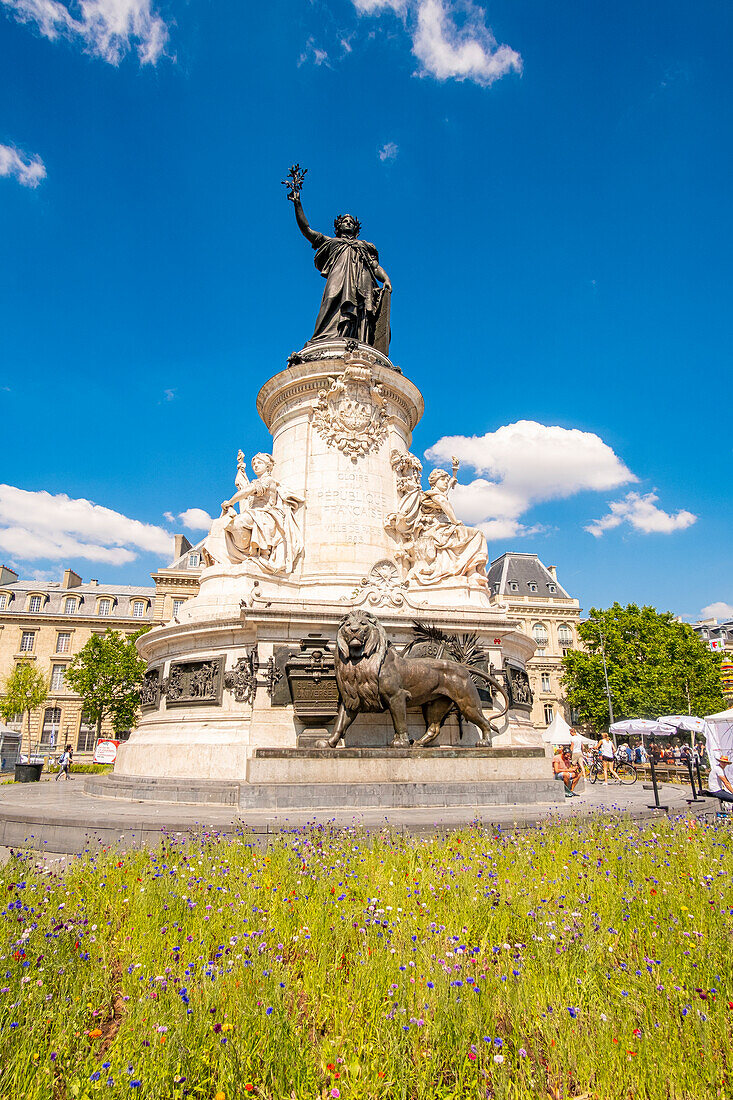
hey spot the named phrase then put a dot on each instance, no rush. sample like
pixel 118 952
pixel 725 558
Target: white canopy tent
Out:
pixel 558 731
pixel 719 734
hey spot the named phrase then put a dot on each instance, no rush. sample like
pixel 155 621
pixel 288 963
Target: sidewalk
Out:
pixel 59 817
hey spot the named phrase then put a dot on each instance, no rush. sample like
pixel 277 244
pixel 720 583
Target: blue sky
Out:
pixel 549 190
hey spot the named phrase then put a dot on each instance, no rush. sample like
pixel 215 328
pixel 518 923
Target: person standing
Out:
pixel 606 749
pixel 576 752
pixel 64 764
pixel 719 783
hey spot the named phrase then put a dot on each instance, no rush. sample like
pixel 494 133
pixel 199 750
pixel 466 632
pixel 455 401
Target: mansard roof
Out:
pixel 523 570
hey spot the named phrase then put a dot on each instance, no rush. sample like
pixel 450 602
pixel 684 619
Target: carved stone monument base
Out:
pixel 247 665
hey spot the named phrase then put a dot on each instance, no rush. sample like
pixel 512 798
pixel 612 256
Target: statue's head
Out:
pixel 435 477
pixel 262 463
pixel 346 225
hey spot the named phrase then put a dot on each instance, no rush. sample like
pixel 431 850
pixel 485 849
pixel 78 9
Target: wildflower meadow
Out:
pixel 571 961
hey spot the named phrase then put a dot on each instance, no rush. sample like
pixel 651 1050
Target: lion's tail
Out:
pixel 494 683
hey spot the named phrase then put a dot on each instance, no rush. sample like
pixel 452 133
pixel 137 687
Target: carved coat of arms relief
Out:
pixel 351 414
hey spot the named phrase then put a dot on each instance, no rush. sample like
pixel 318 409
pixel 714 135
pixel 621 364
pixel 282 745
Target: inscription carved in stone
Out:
pixel 351 414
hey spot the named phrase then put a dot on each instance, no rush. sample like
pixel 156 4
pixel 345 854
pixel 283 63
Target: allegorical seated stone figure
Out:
pixel 353 306
pixel 265 528
pixel 435 546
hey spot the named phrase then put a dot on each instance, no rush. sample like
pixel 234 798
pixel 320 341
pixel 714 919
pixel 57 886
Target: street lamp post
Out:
pixel 605 672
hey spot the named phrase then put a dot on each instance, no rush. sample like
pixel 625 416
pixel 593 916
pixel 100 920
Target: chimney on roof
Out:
pixel 181 546
pixel 71 579
pixel 94 582
pixel 7 576
pixel 552 570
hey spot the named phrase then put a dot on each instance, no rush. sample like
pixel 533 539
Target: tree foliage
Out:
pixel 656 665
pixel 23 690
pixel 107 673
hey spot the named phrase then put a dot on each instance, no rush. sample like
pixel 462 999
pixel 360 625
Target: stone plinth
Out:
pixel 309 779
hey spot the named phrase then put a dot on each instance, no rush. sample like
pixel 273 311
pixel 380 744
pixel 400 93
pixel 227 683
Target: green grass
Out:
pixel 340 965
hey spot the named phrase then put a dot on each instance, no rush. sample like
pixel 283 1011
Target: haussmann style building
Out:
pixel 531 593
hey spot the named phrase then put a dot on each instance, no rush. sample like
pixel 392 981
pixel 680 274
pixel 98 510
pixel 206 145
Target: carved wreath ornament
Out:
pixel 352 413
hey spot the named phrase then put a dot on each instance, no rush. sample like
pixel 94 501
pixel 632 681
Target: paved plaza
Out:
pixel 60 817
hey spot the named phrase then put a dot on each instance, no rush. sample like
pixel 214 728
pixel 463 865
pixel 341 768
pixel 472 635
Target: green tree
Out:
pixel 24 689
pixel 107 673
pixel 656 665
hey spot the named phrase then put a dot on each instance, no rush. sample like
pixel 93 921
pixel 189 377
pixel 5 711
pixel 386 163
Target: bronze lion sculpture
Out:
pixel 373 677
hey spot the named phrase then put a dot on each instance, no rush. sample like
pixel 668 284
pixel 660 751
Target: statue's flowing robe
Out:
pixel 351 298
pixel 266 529
pixel 441 546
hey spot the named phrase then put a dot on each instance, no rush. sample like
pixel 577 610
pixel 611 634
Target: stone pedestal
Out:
pixel 238 671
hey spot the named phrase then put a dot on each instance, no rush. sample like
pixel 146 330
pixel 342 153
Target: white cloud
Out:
pixel 314 54
pixel 526 463
pixel 26 170
pixel 640 511
pixel 37 525
pixel 389 151
pixel 719 610
pixel 107 28
pixel 450 39
pixel 196 519
pixel 169 395
pixel 469 52
pixel 373 7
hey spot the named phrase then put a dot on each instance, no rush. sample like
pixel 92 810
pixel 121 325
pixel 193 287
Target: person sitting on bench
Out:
pixel 719 785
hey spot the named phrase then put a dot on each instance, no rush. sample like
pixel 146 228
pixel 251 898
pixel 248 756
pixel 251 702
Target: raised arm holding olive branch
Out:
pixel 353 305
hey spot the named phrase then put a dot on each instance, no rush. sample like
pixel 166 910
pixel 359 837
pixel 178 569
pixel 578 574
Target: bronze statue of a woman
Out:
pixel 353 305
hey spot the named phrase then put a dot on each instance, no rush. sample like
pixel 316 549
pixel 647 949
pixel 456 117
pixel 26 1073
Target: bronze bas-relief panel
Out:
pixel 152 689
pixel 517 682
pixel 195 683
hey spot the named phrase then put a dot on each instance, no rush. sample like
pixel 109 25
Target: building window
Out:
pixel 539 633
pixel 177 605
pixel 27 641
pixel 3 601
pixel 57 677
pixel 513 586
pixel 193 561
pixel 545 681
pixel 51 723
pixel 35 603
pixel 565 635
pixel 532 586
pixel 552 588
pixel 63 642
pixel 105 606
pixel 549 713
pixel 70 605
pixel 138 609
pixel 87 734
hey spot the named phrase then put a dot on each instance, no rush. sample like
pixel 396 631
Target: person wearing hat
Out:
pixel 718 782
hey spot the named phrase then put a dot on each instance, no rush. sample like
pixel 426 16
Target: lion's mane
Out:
pixel 358 680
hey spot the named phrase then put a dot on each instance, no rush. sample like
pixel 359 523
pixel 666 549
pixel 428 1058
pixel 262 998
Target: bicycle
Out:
pixel 625 772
